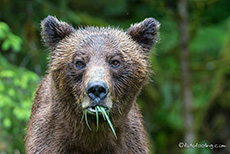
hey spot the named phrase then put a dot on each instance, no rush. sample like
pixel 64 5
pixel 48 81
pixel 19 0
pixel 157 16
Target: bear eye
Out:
pixel 80 64
pixel 115 63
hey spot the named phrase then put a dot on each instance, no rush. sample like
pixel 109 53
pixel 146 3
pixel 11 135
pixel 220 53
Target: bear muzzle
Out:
pixel 97 92
pixel 97 95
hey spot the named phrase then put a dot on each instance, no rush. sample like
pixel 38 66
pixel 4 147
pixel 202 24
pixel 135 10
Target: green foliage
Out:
pixel 17 87
pixel 167 113
pixel 9 40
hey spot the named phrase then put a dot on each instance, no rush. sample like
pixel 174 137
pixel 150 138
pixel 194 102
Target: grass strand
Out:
pixel 97 118
pixel 85 113
pixel 82 116
pixel 108 120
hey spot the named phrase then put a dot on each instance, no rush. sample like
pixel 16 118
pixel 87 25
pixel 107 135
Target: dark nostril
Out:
pixel 97 90
pixel 92 90
pixel 102 90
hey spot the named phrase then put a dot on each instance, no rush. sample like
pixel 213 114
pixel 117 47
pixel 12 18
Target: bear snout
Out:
pixel 97 95
pixel 97 91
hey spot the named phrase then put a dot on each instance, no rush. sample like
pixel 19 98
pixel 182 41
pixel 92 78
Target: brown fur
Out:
pixel 55 124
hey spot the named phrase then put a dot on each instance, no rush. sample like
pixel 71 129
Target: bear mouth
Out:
pixel 95 109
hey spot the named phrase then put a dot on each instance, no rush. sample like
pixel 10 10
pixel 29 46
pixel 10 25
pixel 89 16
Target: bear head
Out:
pixel 104 67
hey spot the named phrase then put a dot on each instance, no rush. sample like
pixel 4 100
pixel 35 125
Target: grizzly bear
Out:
pixel 86 104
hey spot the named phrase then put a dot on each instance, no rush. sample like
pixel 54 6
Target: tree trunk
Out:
pixel 187 97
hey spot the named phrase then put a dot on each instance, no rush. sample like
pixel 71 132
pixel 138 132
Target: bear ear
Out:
pixel 145 33
pixel 54 31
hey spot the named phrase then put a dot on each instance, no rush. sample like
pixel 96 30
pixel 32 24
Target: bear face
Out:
pixel 103 67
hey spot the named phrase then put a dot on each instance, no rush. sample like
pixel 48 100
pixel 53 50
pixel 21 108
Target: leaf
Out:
pixel 4 29
pixel 7 74
pixel 15 42
pixel 9 39
pixel 6 45
pixel 7 122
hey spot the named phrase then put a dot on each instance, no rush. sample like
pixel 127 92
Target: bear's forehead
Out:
pixel 101 44
pixel 101 36
pixel 95 40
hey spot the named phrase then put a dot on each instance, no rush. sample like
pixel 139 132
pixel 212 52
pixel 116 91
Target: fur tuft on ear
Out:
pixel 54 31
pixel 145 33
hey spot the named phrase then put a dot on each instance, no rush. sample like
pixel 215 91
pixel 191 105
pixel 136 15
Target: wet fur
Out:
pixel 55 124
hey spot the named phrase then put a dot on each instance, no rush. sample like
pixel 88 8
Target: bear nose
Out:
pixel 97 91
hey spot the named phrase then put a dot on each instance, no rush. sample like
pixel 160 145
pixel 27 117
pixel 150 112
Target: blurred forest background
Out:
pixel 188 99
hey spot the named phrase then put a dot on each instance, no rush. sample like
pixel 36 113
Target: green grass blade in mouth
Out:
pixel 83 116
pixel 85 113
pixel 96 108
pixel 102 112
pixel 108 120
